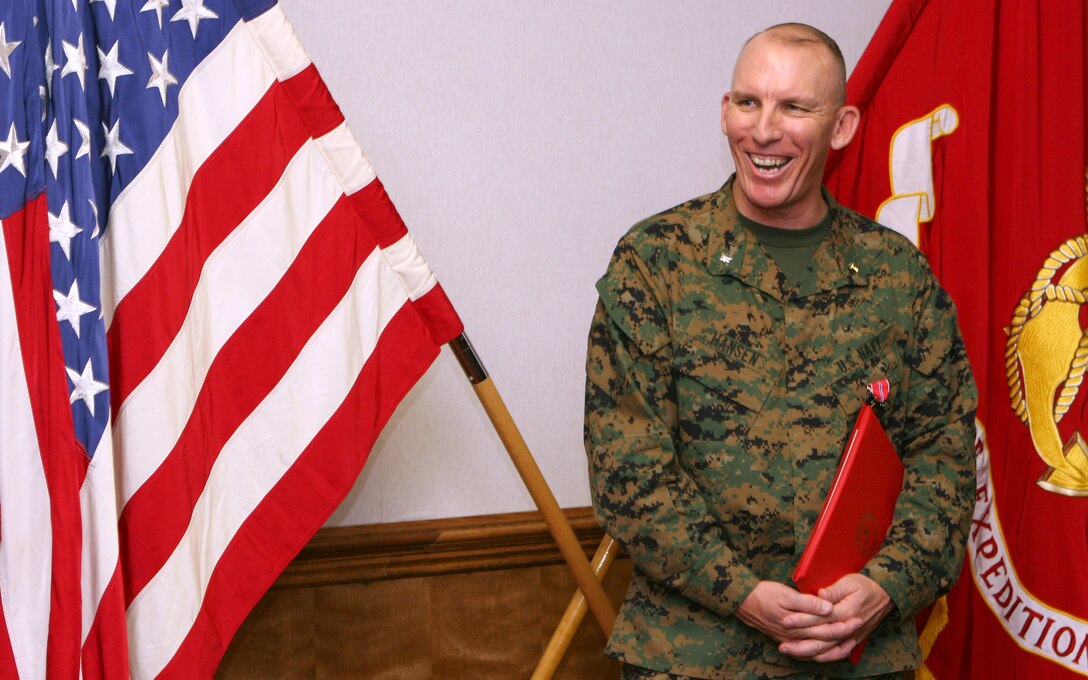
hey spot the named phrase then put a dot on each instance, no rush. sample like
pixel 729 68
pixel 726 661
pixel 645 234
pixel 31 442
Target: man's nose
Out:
pixel 766 129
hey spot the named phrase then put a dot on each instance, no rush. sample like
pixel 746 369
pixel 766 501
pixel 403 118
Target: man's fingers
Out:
pixel 822 629
pixel 837 653
pixel 839 590
pixel 803 621
pixel 808 604
pixel 818 650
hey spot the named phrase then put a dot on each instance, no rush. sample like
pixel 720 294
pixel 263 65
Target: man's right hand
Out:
pixel 770 605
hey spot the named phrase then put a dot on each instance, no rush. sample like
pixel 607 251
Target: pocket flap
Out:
pixel 859 370
pixel 724 372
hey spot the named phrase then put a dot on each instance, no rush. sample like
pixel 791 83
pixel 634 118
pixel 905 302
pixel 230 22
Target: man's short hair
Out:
pixel 798 34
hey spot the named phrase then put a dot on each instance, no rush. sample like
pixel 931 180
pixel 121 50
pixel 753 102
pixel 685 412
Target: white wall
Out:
pixel 520 139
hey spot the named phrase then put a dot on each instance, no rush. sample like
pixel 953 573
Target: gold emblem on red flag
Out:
pixel 1046 355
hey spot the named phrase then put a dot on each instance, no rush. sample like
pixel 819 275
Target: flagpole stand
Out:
pixel 574 614
pixel 531 476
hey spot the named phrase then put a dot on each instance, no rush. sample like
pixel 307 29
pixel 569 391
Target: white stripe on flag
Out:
pixel 279 43
pixel 25 541
pixel 406 259
pixel 236 278
pixel 346 157
pixel 216 97
pixel 98 504
pixel 352 167
pixel 257 456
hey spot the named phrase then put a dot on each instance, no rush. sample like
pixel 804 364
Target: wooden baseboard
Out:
pixel 470 597
pixel 361 554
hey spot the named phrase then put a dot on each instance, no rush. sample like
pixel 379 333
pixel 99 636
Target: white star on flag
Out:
pixel 50 67
pixel 193 11
pixel 12 152
pixel 111 67
pixel 161 78
pixel 54 148
pixel 114 147
pixel 111 5
pixel 85 137
pixel 6 48
pixel 77 60
pixel 84 386
pixel 70 308
pixel 156 6
pixel 96 232
pixel 62 229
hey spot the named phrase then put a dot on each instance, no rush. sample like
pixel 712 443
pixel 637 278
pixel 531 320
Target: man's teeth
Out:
pixel 769 163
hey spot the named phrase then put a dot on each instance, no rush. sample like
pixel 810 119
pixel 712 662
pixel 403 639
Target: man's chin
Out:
pixel 762 198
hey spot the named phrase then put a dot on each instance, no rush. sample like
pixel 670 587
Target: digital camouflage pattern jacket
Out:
pixel 718 400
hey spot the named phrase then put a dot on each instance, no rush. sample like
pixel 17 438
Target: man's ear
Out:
pixel 725 105
pixel 846 124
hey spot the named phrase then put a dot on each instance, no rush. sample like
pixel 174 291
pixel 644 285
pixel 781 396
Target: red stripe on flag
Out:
pixel 26 234
pixel 102 658
pixel 386 225
pixel 250 161
pixel 313 101
pixel 440 316
pixel 156 517
pixel 379 214
pixel 306 496
pixel 7 656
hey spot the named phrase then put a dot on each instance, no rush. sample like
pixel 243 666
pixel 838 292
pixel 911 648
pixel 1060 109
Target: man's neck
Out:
pixel 792 217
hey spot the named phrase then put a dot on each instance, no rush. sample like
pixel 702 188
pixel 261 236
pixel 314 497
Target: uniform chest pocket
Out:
pixel 719 373
pixel 852 389
pixel 861 363
pixel 857 370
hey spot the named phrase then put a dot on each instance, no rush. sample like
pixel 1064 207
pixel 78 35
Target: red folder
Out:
pixel 857 511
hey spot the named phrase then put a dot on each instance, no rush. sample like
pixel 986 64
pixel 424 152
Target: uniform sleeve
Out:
pixel 641 496
pixel 923 554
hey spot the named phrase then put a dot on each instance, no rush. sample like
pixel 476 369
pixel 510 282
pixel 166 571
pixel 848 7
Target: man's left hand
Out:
pixel 860 604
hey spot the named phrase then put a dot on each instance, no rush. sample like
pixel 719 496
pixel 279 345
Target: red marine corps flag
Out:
pixel 973 144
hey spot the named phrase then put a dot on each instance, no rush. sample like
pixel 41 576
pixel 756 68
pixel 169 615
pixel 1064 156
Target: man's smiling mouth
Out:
pixel 768 166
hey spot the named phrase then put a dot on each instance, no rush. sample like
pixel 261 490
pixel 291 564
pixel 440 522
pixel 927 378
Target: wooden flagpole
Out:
pixel 531 476
pixel 572 617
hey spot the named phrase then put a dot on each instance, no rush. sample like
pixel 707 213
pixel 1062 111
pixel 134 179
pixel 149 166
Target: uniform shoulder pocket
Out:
pixel 631 304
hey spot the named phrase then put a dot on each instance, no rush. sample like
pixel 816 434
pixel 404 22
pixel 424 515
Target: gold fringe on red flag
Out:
pixel 938 619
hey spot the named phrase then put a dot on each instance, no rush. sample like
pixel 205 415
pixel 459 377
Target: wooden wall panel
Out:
pixel 276 640
pixel 485 624
pixel 374 630
pixel 327 619
pixel 585 658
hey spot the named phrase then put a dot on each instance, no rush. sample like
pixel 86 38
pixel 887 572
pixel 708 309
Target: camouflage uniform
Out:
pixel 718 400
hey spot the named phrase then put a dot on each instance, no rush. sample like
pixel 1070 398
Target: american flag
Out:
pixel 208 309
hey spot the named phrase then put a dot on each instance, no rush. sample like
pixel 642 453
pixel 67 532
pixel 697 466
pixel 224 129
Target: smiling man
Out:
pixel 785 111
pixel 731 349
